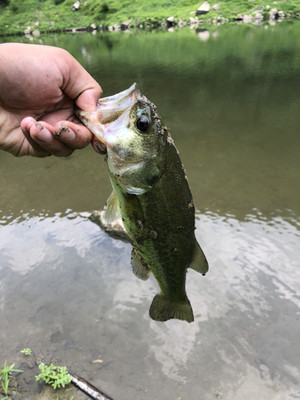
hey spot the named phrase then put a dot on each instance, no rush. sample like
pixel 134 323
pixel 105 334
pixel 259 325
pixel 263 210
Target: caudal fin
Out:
pixel 163 309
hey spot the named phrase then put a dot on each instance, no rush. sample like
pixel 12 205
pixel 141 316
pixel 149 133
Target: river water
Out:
pixel 230 97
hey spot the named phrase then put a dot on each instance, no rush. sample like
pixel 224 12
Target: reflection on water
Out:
pixel 66 288
pixel 70 286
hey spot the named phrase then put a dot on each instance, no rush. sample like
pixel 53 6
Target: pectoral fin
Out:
pixel 199 262
pixel 139 267
pixel 110 219
pixel 111 211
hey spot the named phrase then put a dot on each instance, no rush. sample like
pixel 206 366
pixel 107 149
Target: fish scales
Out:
pixel 151 199
pixel 172 219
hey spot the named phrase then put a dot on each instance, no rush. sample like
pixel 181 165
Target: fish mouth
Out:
pixel 109 109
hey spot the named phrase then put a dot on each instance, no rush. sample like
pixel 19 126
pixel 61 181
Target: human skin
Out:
pixel 39 89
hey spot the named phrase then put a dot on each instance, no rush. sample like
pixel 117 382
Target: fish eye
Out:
pixel 142 123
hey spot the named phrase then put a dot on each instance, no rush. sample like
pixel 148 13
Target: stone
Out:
pixel 171 21
pixel 247 19
pixel 125 24
pixel 259 17
pixel 93 26
pixel 281 14
pixel 76 6
pixel 273 13
pixel 203 9
pixel 36 33
pixel 215 6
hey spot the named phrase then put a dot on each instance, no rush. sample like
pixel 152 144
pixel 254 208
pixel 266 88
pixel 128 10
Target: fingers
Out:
pixel 42 139
pixel 74 135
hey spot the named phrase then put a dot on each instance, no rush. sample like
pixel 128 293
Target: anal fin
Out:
pixel 139 267
pixel 199 262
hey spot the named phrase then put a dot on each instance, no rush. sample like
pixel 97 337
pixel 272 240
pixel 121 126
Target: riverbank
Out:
pixel 37 16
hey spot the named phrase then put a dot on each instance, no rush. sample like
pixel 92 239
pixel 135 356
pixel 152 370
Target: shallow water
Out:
pixel 66 288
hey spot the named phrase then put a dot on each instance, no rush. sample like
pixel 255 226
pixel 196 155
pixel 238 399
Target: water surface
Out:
pixel 66 288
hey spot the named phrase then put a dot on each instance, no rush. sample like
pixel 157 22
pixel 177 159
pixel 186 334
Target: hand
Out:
pixel 39 88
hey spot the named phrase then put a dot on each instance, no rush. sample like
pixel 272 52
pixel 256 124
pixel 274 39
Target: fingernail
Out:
pixel 65 133
pixel 39 125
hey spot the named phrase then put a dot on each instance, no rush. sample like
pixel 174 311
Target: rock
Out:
pixel 27 30
pixel 125 24
pixel 247 19
pixel 36 33
pixel 93 27
pixel 194 22
pixel 181 23
pixel 273 13
pixel 216 6
pixel 171 21
pixel 203 9
pixel 76 5
pixel 115 27
pixel 258 17
pixel 281 14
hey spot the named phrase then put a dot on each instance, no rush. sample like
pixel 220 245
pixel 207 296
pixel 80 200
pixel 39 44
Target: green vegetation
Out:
pixel 26 351
pixel 55 15
pixel 54 376
pixel 5 377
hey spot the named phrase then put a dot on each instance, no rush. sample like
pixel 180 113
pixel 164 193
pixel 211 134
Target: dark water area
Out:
pixel 230 98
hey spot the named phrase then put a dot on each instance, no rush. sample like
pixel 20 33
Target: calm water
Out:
pixel 66 289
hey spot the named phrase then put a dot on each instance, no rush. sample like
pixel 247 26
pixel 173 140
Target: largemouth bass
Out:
pixel 150 195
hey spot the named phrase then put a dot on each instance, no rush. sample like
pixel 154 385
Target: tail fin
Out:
pixel 163 309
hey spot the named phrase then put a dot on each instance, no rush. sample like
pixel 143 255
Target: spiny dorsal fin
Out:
pixel 139 267
pixel 199 262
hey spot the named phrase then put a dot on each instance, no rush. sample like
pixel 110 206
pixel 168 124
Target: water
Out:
pixel 66 288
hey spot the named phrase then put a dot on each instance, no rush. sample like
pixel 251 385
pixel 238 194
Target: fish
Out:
pixel 151 199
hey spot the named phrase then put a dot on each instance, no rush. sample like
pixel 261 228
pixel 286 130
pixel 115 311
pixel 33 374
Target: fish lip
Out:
pixel 108 109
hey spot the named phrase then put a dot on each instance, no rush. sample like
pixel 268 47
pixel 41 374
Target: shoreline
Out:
pixel 67 16
pixel 168 24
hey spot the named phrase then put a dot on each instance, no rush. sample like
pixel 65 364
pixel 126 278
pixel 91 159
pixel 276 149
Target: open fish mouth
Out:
pixel 109 109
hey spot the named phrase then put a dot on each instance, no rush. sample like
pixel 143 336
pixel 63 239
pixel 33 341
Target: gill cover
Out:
pixel 126 123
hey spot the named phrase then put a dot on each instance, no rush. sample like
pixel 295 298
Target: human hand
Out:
pixel 39 88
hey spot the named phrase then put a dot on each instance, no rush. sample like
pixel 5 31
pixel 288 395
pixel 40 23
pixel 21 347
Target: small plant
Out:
pixel 53 375
pixel 26 351
pixel 5 377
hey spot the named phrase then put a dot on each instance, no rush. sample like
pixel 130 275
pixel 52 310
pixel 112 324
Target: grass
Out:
pixel 5 377
pixel 53 15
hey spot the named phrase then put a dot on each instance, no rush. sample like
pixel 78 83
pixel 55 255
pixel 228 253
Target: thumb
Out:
pixel 87 100
pixel 80 86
